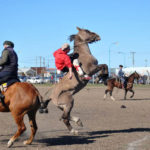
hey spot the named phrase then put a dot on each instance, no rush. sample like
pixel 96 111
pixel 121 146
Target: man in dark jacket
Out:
pixel 122 77
pixel 9 64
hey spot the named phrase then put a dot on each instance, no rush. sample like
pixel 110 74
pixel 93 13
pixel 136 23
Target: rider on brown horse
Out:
pixel 9 64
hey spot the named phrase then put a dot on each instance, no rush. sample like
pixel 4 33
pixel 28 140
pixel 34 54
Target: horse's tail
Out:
pixel 44 103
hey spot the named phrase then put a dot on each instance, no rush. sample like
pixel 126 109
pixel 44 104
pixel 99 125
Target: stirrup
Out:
pixel 86 77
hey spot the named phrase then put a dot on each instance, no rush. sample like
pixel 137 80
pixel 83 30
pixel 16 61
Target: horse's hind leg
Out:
pixel 33 125
pixel 21 128
pixel 125 94
pixel 106 91
pixel 110 92
pixel 77 120
pixel 132 93
pixel 66 114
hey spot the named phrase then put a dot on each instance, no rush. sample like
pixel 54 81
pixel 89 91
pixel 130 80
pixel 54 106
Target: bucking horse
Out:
pixel 62 93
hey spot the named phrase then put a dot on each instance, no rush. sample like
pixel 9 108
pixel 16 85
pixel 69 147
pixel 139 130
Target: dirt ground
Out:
pixel 107 126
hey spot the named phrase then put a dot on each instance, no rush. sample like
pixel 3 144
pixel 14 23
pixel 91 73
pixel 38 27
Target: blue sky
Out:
pixel 39 27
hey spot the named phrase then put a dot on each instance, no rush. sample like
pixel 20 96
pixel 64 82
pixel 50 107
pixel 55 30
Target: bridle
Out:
pixel 88 41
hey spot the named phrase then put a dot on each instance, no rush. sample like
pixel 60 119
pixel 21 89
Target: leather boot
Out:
pixel 1 97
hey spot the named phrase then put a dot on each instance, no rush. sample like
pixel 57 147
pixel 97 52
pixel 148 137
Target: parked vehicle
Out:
pixel 35 80
pixel 47 79
pixel 22 78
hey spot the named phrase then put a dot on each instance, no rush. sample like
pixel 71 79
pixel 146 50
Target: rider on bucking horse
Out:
pixel 122 76
pixel 9 64
pixel 64 62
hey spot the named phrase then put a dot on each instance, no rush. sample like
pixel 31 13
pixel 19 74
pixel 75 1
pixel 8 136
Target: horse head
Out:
pixel 136 75
pixel 81 40
pixel 87 36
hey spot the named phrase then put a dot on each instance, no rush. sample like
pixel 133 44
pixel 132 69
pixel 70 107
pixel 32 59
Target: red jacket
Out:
pixel 62 59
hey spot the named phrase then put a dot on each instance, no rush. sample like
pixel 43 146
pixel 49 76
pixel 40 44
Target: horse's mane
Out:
pixel 72 37
pixel 132 74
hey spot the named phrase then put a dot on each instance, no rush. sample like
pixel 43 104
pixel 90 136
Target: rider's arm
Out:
pixel 69 65
pixel 4 57
pixel 70 73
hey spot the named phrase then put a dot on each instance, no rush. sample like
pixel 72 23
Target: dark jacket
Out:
pixel 120 73
pixel 9 61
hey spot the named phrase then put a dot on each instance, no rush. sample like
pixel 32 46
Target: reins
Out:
pixel 79 44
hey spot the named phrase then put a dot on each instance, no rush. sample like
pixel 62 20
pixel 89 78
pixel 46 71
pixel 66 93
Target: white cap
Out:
pixel 65 46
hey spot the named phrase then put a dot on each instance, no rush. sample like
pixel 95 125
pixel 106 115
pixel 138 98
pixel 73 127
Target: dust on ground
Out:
pixel 107 126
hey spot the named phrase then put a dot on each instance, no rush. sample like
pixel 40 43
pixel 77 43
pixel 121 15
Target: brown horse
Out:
pixel 113 82
pixel 62 93
pixel 20 99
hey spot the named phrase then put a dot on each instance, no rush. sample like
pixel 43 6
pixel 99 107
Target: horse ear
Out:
pixel 79 29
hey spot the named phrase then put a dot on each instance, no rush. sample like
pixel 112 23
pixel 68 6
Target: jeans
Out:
pixel 4 76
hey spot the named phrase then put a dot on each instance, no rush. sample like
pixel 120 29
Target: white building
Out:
pixel 140 70
pixel 26 72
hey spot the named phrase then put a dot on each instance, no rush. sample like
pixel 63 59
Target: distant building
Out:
pixel 26 72
pixel 129 70
pixel 50 72
pixel 39 70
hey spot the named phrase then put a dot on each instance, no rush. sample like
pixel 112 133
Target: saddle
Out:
pixel 8 81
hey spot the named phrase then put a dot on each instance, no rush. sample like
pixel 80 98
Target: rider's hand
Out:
pixel 70 75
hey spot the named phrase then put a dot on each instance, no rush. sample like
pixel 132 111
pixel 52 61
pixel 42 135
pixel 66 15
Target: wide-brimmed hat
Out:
pixel 65 46
pixel 9 43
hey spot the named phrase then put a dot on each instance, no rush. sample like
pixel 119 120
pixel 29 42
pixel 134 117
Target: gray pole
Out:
pixel 36 65
pixel 133 60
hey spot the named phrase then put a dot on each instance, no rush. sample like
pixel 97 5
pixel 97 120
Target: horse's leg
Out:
pixel 106 91
pixel 66 108
pixel 125 94
pixel 21 128
pixel 66 117
pixel 110 92
pixel 77 120
pixel 33 125
pixel 132 93
pixel 73 118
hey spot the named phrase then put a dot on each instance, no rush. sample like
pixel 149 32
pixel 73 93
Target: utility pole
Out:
pixel 133 60
pixel 40 61
pixel 40 64
pixel 146 62
pixel 48 63
pixel 43 65
pixel 36 65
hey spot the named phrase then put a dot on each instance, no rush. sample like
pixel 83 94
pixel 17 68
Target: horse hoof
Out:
pixel 112 98
pixel 46 111
pixel 79 123
pixel 41 111
pixel 9 144
pixel 26 142
pixel 104 97
pixel 74 132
